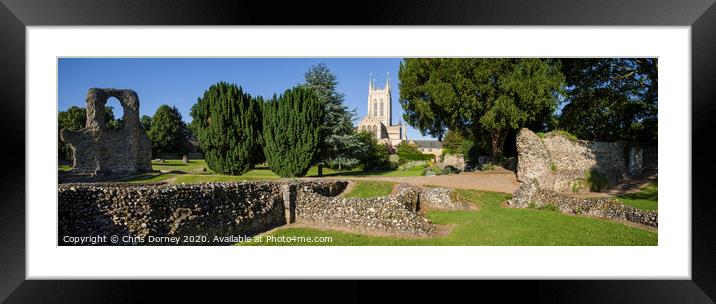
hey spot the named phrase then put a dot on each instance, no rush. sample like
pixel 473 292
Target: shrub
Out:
pixel 565 134
pixel 510 163
pixel 292 131
pixel 450 170
pixel 394 160
pixel 553 167
pixel 405 147
pixel 597 180
pixel 381 156
pixel 227 124
pixel 433 170
pixel 416 156
pixel 377 155
pixel 414 163
pixel 487 166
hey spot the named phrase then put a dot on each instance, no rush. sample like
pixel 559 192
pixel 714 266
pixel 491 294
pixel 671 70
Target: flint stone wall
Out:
pixel 101 151
pixel 556 161
pixel 395 214
pixel 219 209
pixel 529 195
pixel 229 209
pixel 442 198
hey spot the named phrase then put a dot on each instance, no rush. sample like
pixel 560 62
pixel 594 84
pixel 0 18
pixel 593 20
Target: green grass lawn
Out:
pixel 415 171
pixel 647 198
pixel 494 225
pixel 149 178
pixel 371 189
pixel 192 173
pixel 194 165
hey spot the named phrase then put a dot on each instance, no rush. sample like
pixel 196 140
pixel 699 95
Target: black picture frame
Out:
pixel 16 15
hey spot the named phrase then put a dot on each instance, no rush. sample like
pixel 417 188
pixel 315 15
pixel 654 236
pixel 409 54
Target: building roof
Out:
pixel 429 144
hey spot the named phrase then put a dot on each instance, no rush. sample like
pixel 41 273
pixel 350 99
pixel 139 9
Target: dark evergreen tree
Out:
pixel 227 124
pixel 341 147
pixel 611 99
pixel 146 122
pixel 292 129
pixel 482 98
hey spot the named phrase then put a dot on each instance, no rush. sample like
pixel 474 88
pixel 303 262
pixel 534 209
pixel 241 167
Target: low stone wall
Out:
pixel 529 195
pixel 395 214
pixel 442 198
pixel 138 213
pixel 219 213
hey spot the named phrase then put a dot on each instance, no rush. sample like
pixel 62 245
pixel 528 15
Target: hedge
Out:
pixel 416 156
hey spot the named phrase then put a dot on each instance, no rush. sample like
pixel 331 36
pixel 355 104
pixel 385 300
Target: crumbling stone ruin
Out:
pixel 393 214
pixel 529 195
pixel 99 151
pixel 556 162
pixel 551 168
pixel 442 198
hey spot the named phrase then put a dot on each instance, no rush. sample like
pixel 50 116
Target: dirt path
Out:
pixel 505 182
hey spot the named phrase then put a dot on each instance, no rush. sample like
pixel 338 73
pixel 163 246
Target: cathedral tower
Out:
pixel 379 101
pixel 379 119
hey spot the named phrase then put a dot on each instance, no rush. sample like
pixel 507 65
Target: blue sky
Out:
pixel 180 81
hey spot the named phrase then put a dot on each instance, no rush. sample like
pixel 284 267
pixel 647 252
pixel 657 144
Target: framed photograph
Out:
pixel 502 141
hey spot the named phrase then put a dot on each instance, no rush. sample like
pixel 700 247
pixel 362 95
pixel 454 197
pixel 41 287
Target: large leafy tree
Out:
pixel 341 147
pixel 453 141
pixel 146 122
pixel 292 129
pixel 167 130
pixel 227 124
pixel 406 147
pixel 611 99
pixel 481 98
pixel 73 119
pixel 376 155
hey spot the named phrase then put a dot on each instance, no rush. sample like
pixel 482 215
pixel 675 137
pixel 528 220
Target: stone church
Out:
pixel 379 119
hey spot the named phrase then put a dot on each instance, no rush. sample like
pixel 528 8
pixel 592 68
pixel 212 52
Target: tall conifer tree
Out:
pixel 227 124
pixel 292 129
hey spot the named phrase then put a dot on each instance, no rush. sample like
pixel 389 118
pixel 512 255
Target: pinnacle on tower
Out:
pixel 387 80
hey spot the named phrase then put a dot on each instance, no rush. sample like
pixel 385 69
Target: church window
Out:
pixel 381 108
pixel 375 108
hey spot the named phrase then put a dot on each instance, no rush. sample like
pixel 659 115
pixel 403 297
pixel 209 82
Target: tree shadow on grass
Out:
pixel 651 193
pixel 170 165
pixel 357 173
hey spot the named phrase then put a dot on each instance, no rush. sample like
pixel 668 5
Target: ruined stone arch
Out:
pixel 97 101
pixel 99 151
